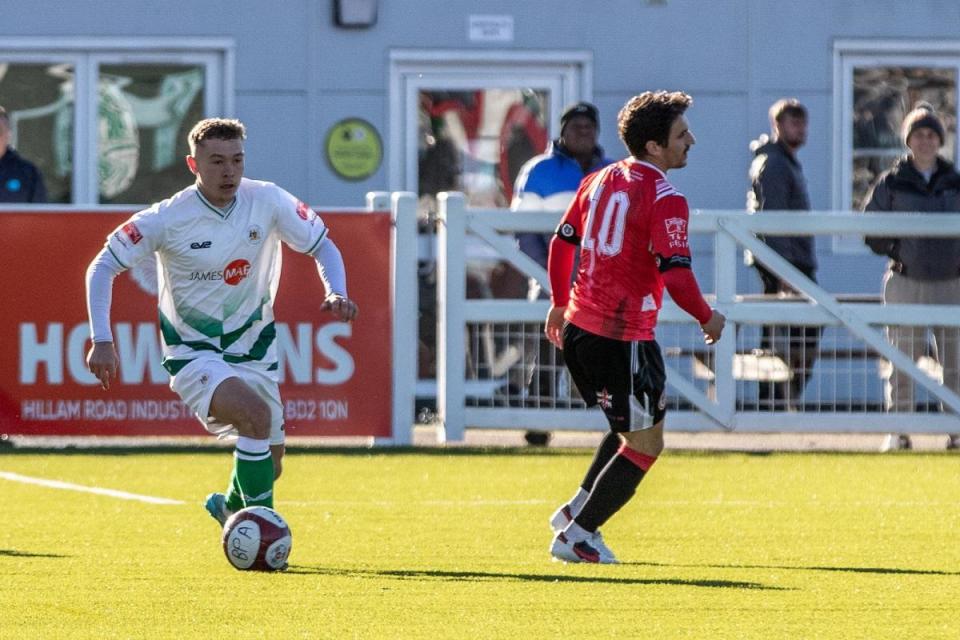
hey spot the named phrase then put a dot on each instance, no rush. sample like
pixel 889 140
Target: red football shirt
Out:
pixel 626 219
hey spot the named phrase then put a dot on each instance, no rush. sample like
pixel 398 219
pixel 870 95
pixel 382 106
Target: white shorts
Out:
pixel 197 381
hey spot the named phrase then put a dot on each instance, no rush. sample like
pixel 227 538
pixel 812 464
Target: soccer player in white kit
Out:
pixel 217 245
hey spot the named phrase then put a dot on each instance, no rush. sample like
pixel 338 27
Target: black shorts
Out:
pixel 627 379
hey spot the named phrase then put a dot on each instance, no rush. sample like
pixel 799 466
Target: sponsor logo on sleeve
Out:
pixel 132 232
pixel 676 232
pixel 567 230
pixel 305 212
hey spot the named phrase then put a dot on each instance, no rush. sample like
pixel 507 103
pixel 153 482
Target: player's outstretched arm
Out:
pixel 102 358
pixel 334 277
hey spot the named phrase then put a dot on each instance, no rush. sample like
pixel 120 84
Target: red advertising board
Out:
pixel 335 377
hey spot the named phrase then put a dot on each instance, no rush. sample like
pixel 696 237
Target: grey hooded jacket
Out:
pixel 903 188
pixel 777 182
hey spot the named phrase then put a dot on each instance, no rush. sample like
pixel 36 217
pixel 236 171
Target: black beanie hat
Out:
pixel 923 115
pixel 579 109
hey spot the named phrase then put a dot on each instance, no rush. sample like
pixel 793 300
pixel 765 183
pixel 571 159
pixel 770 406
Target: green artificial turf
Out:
pixel 453 544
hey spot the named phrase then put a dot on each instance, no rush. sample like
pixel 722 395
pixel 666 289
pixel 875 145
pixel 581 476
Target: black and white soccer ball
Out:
pixel 257 539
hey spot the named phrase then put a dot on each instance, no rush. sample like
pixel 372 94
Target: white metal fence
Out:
pixel 484 345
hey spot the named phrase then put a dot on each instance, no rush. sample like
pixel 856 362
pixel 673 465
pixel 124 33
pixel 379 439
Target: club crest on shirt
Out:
pixel 254 234
pixel 676 232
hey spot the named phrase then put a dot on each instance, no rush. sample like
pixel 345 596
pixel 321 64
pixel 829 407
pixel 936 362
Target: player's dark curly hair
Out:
pixel 649 116
pixel 216 129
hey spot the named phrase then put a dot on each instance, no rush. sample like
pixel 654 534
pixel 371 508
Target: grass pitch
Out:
pixel 453 544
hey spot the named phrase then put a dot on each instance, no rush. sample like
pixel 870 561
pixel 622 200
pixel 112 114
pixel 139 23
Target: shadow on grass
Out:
pixel 488 576
pixel 27 554
pixel 880 570
pixel 218 448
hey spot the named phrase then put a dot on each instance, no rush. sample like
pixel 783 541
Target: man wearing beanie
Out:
pixel 547 182
pixel 921 270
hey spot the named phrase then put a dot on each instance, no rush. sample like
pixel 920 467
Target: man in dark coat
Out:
pixel 777 184
pixel 20 180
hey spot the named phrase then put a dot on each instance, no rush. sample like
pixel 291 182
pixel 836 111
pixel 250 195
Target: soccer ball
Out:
pixel 257 539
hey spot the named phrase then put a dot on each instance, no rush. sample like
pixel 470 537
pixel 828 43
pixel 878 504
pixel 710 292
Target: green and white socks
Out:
pixel 251 483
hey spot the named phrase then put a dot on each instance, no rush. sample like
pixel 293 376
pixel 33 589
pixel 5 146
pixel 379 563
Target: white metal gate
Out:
pixel 708 394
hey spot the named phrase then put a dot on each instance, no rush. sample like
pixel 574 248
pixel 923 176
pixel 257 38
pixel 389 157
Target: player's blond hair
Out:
pixel 215 129
pixel 649 116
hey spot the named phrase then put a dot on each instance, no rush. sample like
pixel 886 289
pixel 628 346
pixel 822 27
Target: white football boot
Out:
pixel 567 551
pixel 563 516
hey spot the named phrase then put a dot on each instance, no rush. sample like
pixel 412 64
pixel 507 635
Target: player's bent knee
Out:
pixel 255 419
pixel 646 441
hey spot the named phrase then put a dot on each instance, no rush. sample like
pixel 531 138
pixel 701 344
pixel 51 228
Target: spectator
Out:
pixel 547 183
pixel 20 180
pixel 777 183
pixel 921 270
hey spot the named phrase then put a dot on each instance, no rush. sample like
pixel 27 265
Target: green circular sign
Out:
pixel 353 149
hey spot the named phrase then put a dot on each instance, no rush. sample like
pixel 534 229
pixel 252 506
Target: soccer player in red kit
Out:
pixel 631 226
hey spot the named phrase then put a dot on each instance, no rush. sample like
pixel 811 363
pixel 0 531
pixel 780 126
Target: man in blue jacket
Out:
pixel 547 182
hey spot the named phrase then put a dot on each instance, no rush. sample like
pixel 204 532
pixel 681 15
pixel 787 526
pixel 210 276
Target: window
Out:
pixel 468 120
pixel 476 141
pixel 108 124
pixel 145 114
pixel 39 103
pixel 882 96
pixel 875 84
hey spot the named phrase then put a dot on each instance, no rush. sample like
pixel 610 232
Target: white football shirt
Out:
pixel 218 269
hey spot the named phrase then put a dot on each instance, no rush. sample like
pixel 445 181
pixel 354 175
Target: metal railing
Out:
pixel 711 388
